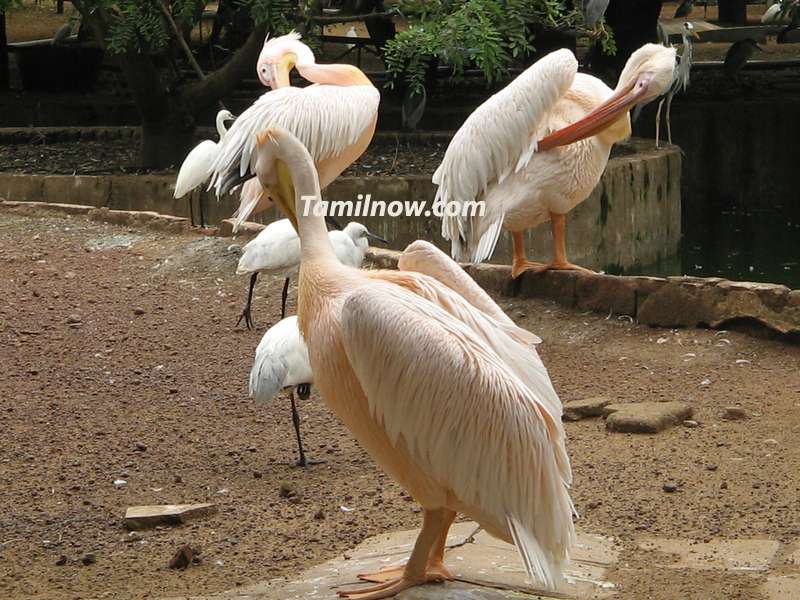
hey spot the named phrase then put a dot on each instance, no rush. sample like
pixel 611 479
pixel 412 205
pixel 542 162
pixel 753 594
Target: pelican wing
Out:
pixel 325 118
pixel 440 386
pixel 496 140
pixel 423 257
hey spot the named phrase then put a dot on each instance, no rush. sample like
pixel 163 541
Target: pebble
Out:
pixel 62 560
pixel 89 559
pixel 711 467
pixel 734 413
pixel 141 447
pixel 691 424
pixel 258 474
pixel 138 311
pixel 177 479
pixel 286 491
pixel 670 487
pixel 73 319
pixel 319 515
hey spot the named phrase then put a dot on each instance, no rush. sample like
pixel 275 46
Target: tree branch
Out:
pixel 203 93
pixel 329 19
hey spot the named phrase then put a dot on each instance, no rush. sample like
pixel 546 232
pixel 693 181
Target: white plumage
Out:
pixel 326 118
pixel 494 157
pixel 275 251
pixel 281 361
pixel 194 170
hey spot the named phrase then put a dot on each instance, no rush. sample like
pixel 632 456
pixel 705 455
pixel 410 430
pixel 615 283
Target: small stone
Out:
pixel 62 560
pixel 141 447
pixel 177 479
pixel 33 371
pixel 319 515
pixel 723 485
pixel 173 390
pixel 645 417
pixel 88 559
pixel 711 467
pixel 142 517
pixel 73 319
pixel 670 487
pixel 183 557
pixel 734 413
pixel 258 474
pixel 286 491
pixel 691 424
pixel 138 311
pixel 575 410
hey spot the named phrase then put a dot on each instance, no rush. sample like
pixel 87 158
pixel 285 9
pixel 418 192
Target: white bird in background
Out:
pixel 681 78
pixel 335 118
pixel 536 149
pixel 282 362
pixel 195 167
pixel 275 251
pixel 444 392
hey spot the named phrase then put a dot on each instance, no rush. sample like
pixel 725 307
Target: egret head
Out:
pixel 361 235
pixel 279 56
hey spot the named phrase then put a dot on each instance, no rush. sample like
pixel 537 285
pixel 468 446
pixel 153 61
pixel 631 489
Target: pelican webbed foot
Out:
pixel 519 267
pixel 394 586
pixel 435 570
pixel 562 266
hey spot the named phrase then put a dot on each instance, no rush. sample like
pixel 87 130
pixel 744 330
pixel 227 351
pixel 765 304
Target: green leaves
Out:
pixel 272 13
pixel 137 26
pixel 486 34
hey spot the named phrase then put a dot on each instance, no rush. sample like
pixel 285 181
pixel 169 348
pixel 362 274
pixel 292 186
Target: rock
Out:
pixel 184 557
pixel 73 319
pixel 711 467
pixel 734 413
pixel 575 410
pixel 258 474
pixel 286 491
pixel 141 447
pixel 177 479
pixel 645 417
pixel 62 560
pixel 138 311
pixel 142 517
pixel 319 515
pixel 88 559
pixel 670 487
pixel 691 424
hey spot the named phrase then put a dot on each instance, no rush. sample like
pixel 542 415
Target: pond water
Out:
pixel 744 245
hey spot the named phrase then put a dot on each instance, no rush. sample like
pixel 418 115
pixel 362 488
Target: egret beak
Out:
pixel 377 238
pixel 600 118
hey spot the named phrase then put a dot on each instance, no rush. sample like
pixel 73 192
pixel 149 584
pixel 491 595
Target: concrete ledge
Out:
pixel 655 301
pixel 632 218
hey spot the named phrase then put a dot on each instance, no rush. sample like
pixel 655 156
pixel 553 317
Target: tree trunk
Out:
pixel 3 52
pixel 634 25
pixel 733 11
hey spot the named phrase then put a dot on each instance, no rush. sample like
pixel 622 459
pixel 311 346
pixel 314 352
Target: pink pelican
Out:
pixel 435 382
pixel 335 118
pixel 537 148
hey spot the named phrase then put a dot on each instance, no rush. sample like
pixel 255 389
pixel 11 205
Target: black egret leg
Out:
pixel 301 462
pixel 246 315
pixel 200 210
pixel 284 295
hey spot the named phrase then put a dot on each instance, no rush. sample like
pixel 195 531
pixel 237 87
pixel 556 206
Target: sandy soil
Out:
pixel 152 358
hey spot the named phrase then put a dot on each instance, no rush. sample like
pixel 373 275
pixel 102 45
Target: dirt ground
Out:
pixel 120 360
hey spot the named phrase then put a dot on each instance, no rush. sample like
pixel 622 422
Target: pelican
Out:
pixel 536 149
pixel 194 170
pixel 281 362
pixel 439 386
pixel 275 251
pixel 335 118
pixel 680 80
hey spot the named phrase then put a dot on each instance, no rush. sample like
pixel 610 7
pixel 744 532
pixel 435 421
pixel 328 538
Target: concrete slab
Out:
pixel 142 517
pixel 731 555
pixel 486 569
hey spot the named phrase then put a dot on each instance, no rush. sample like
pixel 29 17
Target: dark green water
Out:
pixel 744 245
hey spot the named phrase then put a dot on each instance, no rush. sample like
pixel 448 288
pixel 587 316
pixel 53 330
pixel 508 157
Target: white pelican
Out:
pixel 281 362
pixel 335 118
pixel 194 170
pixel 275 251
pixel 444 392
pixel 537 148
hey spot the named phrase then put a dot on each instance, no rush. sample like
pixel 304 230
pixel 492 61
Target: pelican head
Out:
pixel 279 56
pixel 648 73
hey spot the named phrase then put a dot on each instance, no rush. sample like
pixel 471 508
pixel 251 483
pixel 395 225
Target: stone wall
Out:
pixel 633 217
